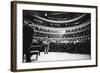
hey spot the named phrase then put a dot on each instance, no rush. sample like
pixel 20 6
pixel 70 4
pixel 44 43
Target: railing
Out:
pixel 62 29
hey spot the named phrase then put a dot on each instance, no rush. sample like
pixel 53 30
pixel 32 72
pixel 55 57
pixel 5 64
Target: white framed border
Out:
pixel 27 6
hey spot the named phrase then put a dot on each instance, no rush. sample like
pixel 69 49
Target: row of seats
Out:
pixel 82 48
pixel 62 35
pixel 57 31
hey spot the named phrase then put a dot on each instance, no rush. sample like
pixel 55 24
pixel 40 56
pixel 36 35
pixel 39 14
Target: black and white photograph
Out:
pixel 56 36
pixel 52 36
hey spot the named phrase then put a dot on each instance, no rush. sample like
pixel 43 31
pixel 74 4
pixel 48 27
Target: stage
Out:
pixel 60 56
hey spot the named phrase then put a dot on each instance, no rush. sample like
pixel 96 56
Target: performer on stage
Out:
pixel 46 46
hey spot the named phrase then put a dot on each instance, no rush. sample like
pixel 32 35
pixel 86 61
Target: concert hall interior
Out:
pixel 56 36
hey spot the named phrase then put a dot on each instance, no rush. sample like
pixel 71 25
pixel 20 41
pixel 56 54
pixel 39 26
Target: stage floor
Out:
pixel 59 56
